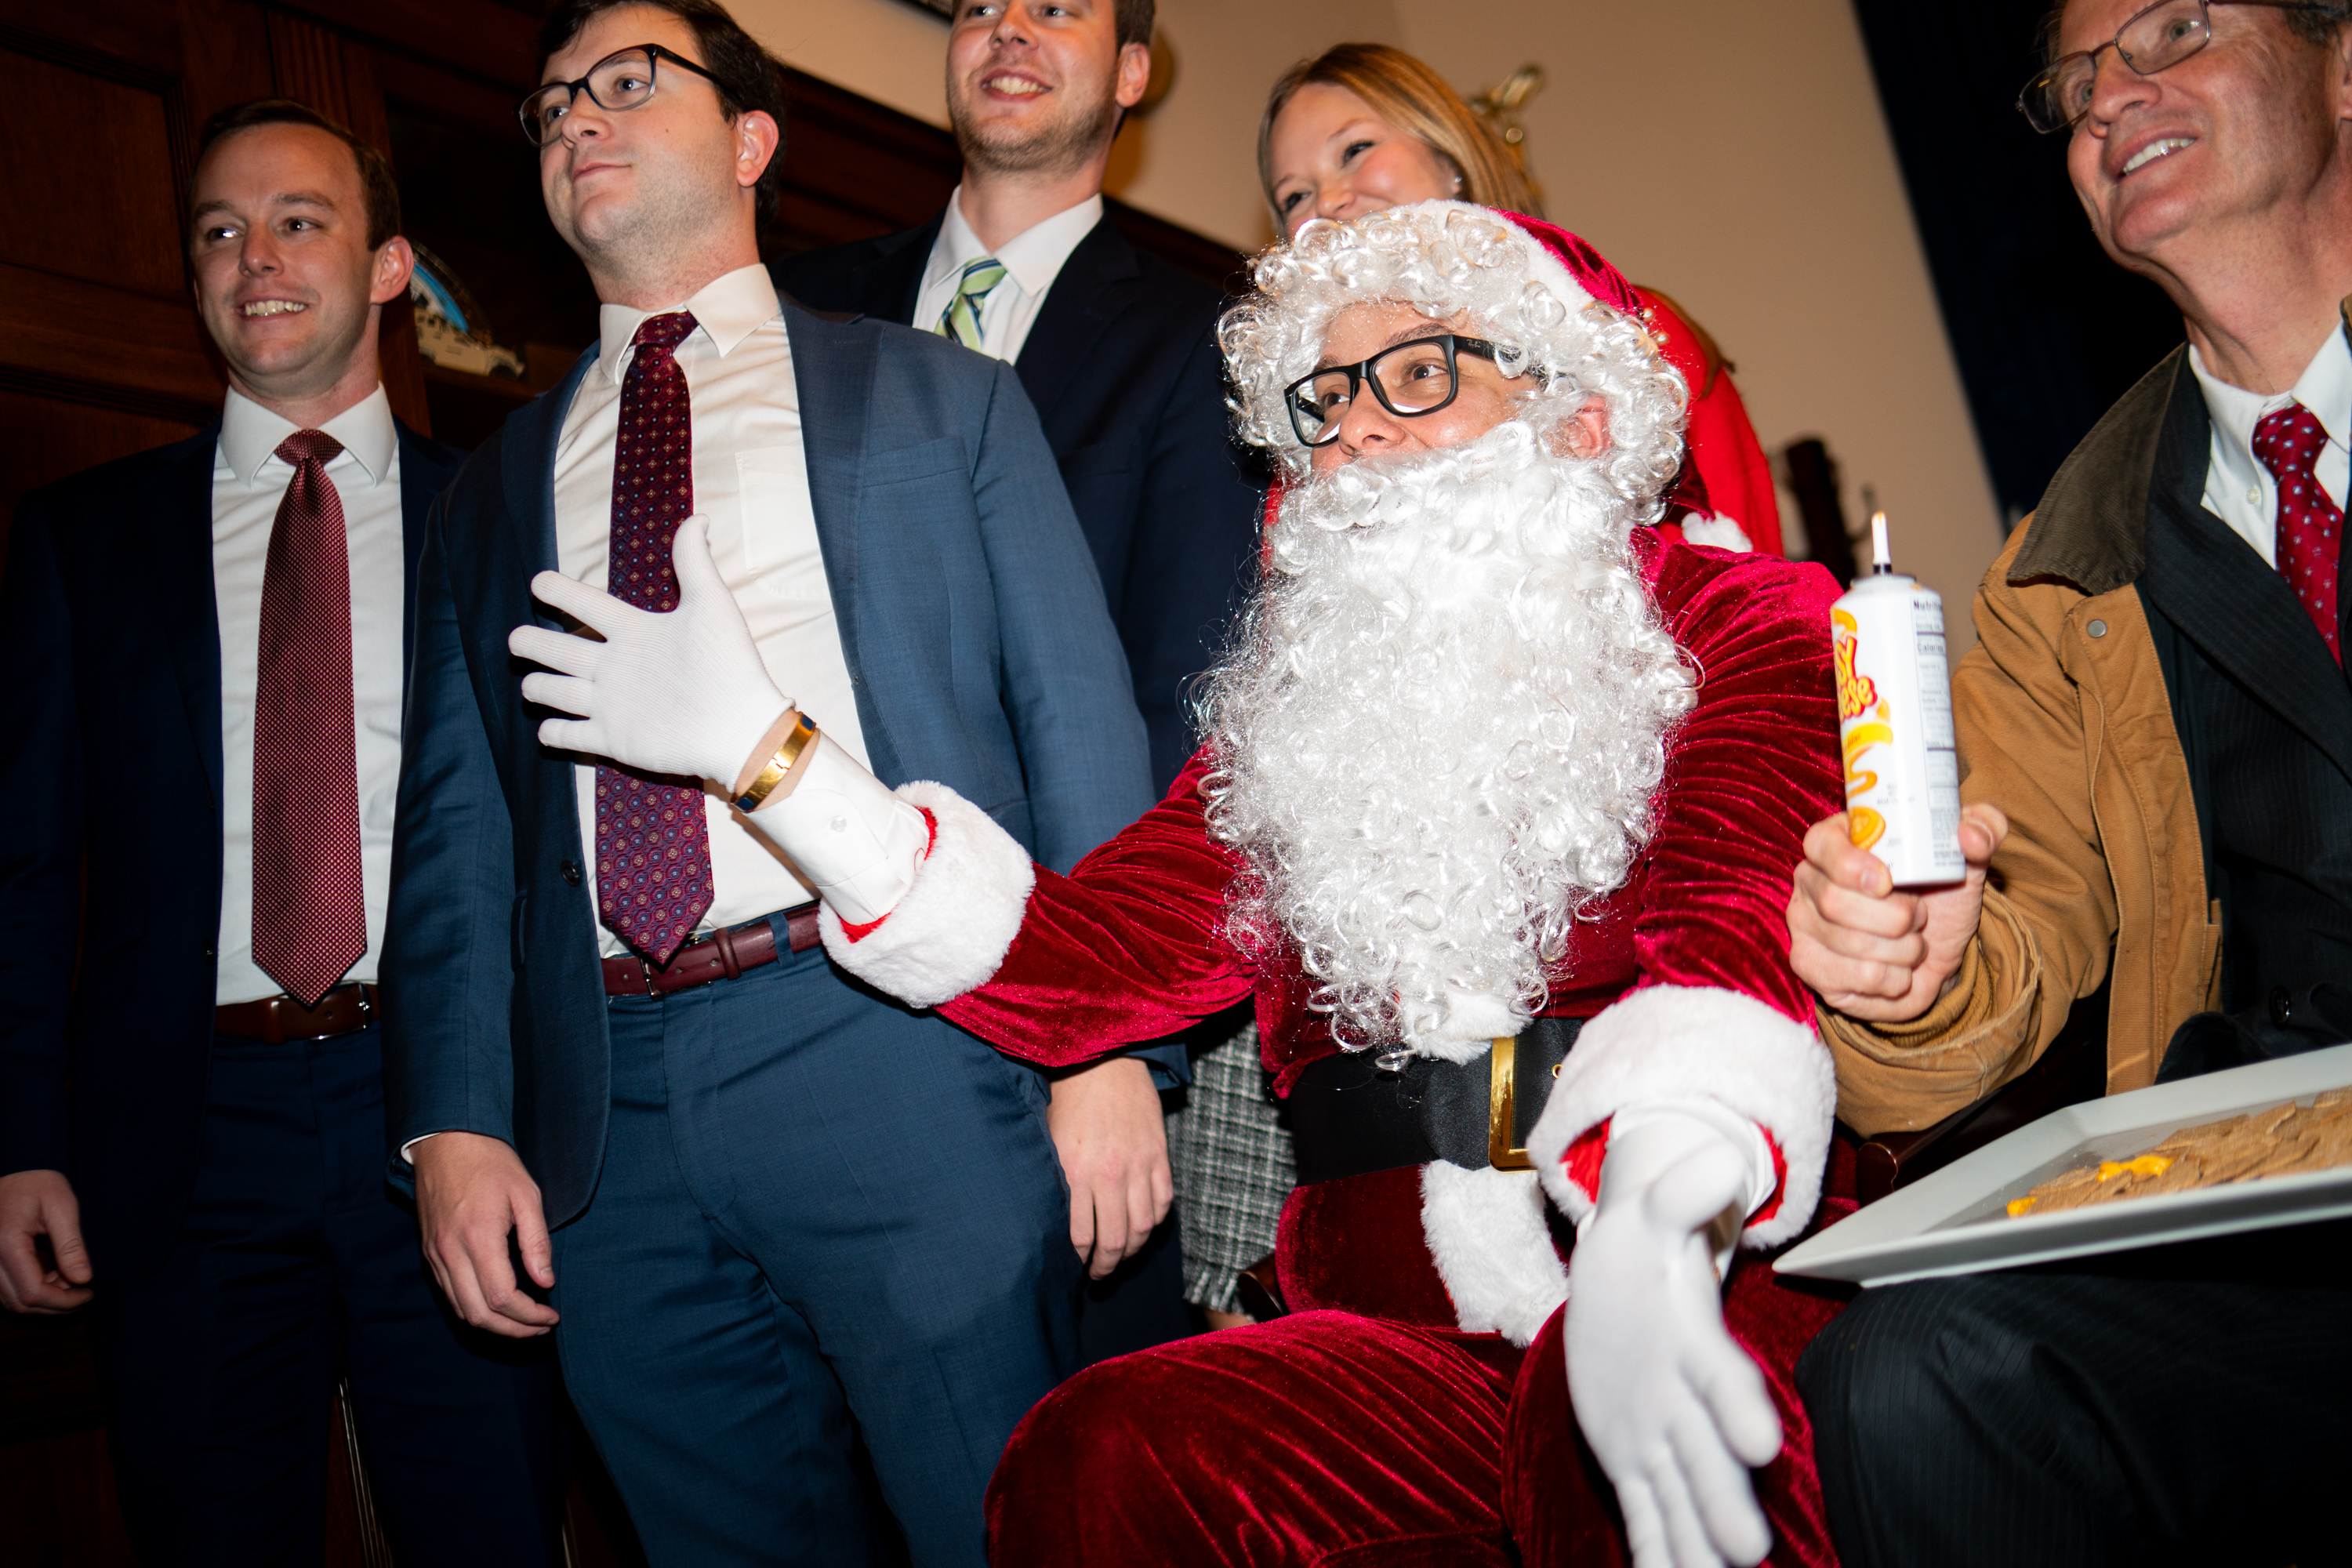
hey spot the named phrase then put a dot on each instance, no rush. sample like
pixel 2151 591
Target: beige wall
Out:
pixel 1728 153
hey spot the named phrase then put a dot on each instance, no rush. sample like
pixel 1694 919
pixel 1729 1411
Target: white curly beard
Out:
pixel 1438 734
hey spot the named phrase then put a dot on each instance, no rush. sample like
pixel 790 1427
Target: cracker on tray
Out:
pixel 2278 1141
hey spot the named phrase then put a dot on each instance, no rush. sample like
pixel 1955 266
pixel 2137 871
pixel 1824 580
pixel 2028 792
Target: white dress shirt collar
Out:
pixel 1035 257
pixel 728 308
pixel 2324 387
pixel 250 435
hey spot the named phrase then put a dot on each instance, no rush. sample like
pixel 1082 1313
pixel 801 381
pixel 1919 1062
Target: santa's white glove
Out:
pixel 857 844
pixel 681 692
pixel 1674 1411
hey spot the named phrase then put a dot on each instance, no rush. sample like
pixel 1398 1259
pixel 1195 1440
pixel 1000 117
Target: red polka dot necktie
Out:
pixel 652 852
pixel 2310 526
pixel 309 917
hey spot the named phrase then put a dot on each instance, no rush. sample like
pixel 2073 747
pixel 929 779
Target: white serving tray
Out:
pixel 1956 1220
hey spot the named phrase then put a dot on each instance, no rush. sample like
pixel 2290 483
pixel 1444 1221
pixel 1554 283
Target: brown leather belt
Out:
pixel 274 1020
pixel 723 955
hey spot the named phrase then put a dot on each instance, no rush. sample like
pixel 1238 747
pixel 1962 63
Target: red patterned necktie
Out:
pixel 653 853
pixel 2310 526
pixel 309 919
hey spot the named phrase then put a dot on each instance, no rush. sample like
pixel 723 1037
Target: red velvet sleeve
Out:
pixel 1752 767
pixel 1129 946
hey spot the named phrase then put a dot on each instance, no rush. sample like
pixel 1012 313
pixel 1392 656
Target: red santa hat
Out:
pixel 1580 275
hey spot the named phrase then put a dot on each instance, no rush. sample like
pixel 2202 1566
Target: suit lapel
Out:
pixel 1084 300
pixel 527 472
pixel 424 475
pixel 834 371
pixel 183 559
pixel 2223 597
pixel 899 274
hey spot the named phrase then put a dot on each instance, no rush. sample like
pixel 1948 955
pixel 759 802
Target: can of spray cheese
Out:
pixel 1895 723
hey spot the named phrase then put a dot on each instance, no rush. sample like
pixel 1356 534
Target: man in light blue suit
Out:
pixel 769 1210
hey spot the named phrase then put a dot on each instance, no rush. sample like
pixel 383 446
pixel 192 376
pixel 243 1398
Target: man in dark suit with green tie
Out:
pixel 1119 352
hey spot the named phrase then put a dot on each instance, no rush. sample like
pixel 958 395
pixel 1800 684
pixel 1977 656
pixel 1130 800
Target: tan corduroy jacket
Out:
pixel 2064 723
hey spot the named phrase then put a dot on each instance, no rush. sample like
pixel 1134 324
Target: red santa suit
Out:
pixel 1388 1407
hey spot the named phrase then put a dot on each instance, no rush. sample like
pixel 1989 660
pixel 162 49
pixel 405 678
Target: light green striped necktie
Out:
pixel 961 320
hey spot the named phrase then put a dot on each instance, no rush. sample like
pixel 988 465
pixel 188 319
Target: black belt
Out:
pixel 1348 1117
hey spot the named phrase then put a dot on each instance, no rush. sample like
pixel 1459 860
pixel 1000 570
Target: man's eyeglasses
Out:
pixel 1409 379
pixel 621 80
pixel 2152 40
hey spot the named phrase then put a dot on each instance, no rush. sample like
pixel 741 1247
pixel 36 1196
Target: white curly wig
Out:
pixel 1445 258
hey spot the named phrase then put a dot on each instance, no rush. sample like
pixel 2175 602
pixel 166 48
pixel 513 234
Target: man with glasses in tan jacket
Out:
pixel 2156 734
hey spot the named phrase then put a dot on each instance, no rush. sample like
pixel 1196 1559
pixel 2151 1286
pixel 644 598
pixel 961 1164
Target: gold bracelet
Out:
pixel 778 765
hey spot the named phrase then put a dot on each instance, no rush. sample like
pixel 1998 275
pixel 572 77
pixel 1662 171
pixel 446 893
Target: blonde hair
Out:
pixel 1414 98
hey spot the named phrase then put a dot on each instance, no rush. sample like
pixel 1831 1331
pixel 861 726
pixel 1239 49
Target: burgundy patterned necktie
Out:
pixel 309 919
pixel 2310 526
pixel 653 853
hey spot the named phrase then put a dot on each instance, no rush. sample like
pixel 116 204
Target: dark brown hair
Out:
pixel 376 184
pixel 1135 19
pixel 1414 98
pixel 747 78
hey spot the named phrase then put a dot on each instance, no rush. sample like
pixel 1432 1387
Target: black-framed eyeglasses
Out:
pixel 621 80
pixel 2149 41
pixel 1409 378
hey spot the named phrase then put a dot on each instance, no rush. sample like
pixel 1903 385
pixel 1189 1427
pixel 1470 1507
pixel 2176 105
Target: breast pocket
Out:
pixel 926 460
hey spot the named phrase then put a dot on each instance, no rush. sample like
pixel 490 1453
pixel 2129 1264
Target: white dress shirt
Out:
pixel 751 479
pixel 2238 488
pixel 1033 259
pixel 248 482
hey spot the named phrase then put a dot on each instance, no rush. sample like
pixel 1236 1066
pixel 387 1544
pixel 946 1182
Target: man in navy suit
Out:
pixel 191 1102
pixel 771 1211
pixel 1119 352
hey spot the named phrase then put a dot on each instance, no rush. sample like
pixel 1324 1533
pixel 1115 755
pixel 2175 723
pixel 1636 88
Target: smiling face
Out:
pixel 643 193
pixel 2235 133
pixel 1332 157
pixel 1037 85
pixel 285 279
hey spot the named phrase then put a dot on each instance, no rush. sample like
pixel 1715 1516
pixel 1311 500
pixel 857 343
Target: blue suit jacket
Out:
pixel 111 643
pixel 1123 367
pixel 978 648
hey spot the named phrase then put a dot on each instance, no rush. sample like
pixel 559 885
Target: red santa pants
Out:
pixel 1332 1439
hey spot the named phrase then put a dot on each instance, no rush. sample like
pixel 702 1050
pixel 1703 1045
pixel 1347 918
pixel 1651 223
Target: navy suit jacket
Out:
pixel 1123 367
pixel 978 649
pixel 111 646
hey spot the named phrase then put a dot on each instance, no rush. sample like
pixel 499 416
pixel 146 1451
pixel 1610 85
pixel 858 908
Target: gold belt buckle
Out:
pixel 1502 1108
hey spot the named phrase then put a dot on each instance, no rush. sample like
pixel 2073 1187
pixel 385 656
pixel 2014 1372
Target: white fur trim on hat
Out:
pixel 1665 1042
pixel 954 926
pixel 1486 1233
pixel 1719 532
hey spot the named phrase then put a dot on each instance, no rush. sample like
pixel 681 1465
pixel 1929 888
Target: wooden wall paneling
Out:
pixel 853 169
pixel 336 76
pixel 101 352
pixel 488 39
pixel 70 435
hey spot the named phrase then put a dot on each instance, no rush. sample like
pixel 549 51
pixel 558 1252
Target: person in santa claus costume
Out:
pixel 1495 817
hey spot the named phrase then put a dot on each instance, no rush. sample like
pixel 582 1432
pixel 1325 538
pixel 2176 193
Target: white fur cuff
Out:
pixel 1668 1043
pixel 1486 1233
pixel 954 926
